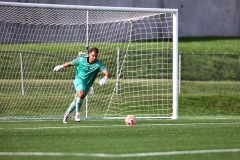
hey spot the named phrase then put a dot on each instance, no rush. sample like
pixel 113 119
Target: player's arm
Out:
pixel 104 80
pixel 59 67
pixel 106 73
pixel 75 62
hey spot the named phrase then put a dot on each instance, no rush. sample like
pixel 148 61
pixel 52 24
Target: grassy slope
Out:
pixel 210 100
pixel 210 44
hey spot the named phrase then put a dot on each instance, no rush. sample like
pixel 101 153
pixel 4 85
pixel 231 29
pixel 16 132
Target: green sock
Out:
pixel 78 105
pixel 71 107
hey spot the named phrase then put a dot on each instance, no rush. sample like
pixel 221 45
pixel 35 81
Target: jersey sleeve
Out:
pixel 103 67
pixel 76 61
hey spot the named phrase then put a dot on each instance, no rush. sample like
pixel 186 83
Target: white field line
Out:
pixel 147 154
pixel 67 127
pixel 210 117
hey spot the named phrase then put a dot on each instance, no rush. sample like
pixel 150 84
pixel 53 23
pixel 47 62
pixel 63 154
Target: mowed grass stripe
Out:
pixel 101 126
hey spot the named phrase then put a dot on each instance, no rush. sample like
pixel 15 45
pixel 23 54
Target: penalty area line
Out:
pixel 147 154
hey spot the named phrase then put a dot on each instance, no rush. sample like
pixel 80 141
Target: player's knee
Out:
pixel 81 94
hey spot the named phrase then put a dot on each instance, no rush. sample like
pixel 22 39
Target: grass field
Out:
pixel 212 137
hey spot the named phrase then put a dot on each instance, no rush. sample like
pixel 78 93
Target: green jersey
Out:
pixel 87 72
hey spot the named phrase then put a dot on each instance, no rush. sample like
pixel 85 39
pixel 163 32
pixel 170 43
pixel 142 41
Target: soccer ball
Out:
pixel 130 120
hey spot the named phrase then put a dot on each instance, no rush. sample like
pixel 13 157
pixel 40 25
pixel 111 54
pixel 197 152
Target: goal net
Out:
pixel 139 47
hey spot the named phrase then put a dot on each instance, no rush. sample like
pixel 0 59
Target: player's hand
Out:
pixel 103 81
pixel 58 68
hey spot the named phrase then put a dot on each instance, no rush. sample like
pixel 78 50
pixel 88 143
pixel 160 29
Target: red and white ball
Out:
pixel 130 120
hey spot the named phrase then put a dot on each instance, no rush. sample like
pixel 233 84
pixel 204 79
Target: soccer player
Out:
pixel 87 68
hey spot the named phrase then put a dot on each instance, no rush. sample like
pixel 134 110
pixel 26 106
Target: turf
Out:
pixel 114 137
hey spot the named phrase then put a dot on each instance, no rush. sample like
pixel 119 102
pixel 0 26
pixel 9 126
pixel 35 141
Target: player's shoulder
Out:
pixel 98 61
pixel 83 58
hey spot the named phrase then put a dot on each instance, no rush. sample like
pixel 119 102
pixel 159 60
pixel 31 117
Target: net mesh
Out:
pixel 35 40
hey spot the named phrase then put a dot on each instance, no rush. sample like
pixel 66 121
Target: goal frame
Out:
pixel 125 9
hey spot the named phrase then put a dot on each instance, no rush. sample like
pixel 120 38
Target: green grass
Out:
pixel 196 98
pixel 209 104
pixel 209 44
pixel 209 98
pixel 186 44
pixel 113 137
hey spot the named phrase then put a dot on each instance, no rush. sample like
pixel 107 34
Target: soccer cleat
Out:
pixel 77 118
pixel 65 118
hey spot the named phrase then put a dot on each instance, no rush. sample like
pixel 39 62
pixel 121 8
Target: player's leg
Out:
pixel 80 95
pixel 72 106
pixel 79 101
pixel 69 110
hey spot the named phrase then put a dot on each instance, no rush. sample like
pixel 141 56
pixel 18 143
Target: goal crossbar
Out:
pixel 99 8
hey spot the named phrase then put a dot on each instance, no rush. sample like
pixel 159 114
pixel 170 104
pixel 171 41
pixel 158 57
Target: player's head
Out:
pixel 93 54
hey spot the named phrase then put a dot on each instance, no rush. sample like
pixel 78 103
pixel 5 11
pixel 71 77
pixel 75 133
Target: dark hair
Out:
pixel 94 49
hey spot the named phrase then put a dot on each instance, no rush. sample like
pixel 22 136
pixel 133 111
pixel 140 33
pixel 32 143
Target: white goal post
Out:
pixel 138 45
